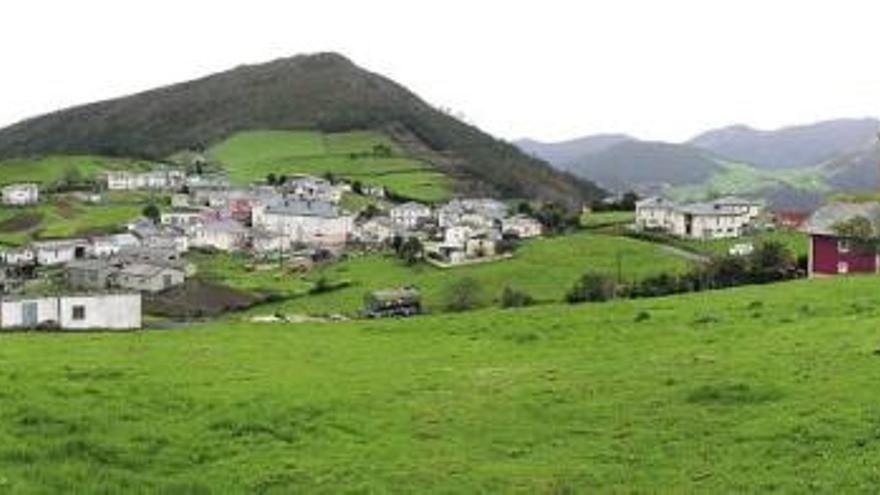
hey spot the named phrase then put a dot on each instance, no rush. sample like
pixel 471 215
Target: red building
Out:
pixel 833 254
pixel 791 219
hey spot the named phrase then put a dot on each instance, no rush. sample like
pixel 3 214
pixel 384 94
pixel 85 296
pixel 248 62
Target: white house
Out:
pixel 265 242
pixel 654 213
pixel 480 212
pixel 125 180
pixel 21 194
pixel 724 218
pixel 60 251
pixel 375 230
pixel 184 218
pixel 410 215
pixel 111 245
pixel 225 235
pixel 522 226
pixel 72 312
pixel 308 188
pixel 17 256
pixel 306 222
pixel 148 277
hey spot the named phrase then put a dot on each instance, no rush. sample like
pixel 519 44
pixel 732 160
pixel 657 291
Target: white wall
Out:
pixel 11 312
pixel 110 311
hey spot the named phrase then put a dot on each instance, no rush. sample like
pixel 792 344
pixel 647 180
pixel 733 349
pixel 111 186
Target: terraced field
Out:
pixel 251 156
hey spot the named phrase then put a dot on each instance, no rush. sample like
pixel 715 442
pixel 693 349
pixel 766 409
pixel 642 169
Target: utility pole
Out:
pixel 878 164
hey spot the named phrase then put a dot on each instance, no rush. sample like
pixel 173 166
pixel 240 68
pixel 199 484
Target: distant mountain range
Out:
pixel 325 92
pixel 790 147
pixel 791 167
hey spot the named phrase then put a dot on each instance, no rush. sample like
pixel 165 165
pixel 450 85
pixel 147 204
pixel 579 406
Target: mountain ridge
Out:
pixel 324 91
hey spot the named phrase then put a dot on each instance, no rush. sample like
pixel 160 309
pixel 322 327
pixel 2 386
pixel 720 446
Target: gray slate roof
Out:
pixel 822 221
pixel 304 209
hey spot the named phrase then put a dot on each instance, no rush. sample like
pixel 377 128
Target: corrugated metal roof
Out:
pixel 823 220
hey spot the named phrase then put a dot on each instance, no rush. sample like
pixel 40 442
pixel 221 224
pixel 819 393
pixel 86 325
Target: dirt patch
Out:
pixel 21 222
pixel 200 299
pixel 66 209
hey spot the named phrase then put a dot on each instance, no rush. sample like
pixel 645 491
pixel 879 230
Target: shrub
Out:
pixel 770 262
pixel 658 285
pixel 151 211
pixel 410 251
pixel 592 287
pixel 463 294
pixel 512 298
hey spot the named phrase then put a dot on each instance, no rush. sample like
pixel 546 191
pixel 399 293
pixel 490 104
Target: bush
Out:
pixel 770 262
pixel 658 285
pixel 152 212
pixel 592 287
pixel 463 294
pixel 512 298
pixel 410 251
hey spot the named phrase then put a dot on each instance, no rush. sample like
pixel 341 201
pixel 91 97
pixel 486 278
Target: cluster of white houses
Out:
pixel 454 232
pixel 727 217
pixel 109 273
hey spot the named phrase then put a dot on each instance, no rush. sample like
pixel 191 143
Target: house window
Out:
pixel 166 280
pixel 843 245
pixel 78 313
pixel 843 267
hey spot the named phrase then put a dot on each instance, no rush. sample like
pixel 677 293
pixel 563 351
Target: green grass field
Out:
pixel 545 268
pixel 250 156
pixel 741 178
pixel 758 389
pixel 795 241
pixel 65 217
pixel 601 219
pixel 53 168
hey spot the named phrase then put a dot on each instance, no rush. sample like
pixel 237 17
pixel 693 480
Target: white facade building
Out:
pixel 59 252
pixel 305 222
pixel 723 218
pixel 21 194
pixel 72 312
pixel 522 226
pixel 410 215
pixel 224 235
pixel 111 245
pixel 158 179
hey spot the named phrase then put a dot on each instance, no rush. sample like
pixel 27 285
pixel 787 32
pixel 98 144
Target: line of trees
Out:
pixel 769 262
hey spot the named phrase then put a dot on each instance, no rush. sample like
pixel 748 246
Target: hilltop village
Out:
pixel 290 219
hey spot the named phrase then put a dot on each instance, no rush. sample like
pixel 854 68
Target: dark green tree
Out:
pixel 152 212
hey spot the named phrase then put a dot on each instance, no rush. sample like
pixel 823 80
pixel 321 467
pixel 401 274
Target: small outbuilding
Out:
pixel 21 194
pixel 401 301
pixel 72 312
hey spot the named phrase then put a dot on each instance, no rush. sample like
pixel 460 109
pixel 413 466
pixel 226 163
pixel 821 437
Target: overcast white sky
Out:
pixel 545 69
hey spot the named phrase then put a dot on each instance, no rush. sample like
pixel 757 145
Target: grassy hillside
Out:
pixel 741 178
pixel 749 390
pixel 64 217
pixel 545 268
pixel 49 169
pixel 325 92
pixel 250 156
pixel 797 242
